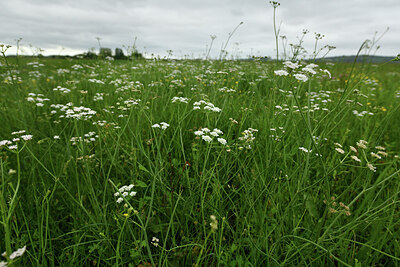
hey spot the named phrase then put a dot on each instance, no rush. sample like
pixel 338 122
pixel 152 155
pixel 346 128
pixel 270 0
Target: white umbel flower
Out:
pixel 222 141
pixel 301 77
pixel 207 138
pixel 281 73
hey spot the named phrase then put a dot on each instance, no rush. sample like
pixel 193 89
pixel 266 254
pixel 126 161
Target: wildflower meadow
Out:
pixel 180 162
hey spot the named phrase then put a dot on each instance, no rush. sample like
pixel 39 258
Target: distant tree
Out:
pixel 90 55
pixel 105 52
pixel 137 55
pixel 119 54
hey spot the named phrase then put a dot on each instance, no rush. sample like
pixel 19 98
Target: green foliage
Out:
pixel 274 201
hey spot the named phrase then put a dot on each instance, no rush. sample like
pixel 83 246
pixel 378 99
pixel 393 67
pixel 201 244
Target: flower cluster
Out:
pixel 62 90
pixel 247 137
pixel 88 138
pixel 208 135
pixel 78 113
pixel 300 74
pixel 362 148
pixel 281 73
pixel 37 98
pixel 76 67
pixel 180 99
pixel 98 97
pixel 206 106
pixel 125 192
pixel 35 64
pixel 154 241
pixel 13 143
pixel 131 102
pixel 291 65
pixel 362 113
pixel 213 223
pixel 226 90
pixel 334 208
pixel 18 253
pixel 305 149
pixel 162 125
pixel 62 71
pixel 277 133
pixel 96 81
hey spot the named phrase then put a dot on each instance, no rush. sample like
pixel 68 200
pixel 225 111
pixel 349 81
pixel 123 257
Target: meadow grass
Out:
pixel 230 163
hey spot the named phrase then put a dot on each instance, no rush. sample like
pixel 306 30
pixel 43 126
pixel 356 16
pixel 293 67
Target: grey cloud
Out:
pixel 186 25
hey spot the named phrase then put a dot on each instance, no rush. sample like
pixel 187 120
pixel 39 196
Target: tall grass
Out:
pixel 285 189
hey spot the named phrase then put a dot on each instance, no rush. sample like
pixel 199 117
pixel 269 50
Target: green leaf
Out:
pixel 139 183
pixel 142 168
pixel 312 209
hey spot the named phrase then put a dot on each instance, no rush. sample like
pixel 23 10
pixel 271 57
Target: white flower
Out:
pixel 5 142
pixel 327 72
pixel 218 131
pixel 13 147
pixel 120 199
pixel 222 141
pixel 125 194
pixel 214 134
pixel 339 145
pixel 56 137
pixel 198 133
pixel 305 149
pixel 301 77
pixel 156 125
pixel 311 66
pixel 214 223
pixel 154 241
pixel 18 132
pixel 291 65
pixel 180 99
pixel 132 193
pixel 375 155
pixel 281 73
pixel 352 148
pixel 26 137
pixel 309 70
pixel 164 125
pixel 123 188
pixel 355 158
pixel 362 144
pixel 116 194
pixel 207 138
pixel 3 264
pixel 382 153
pixel 371 167
pixel 338 149
pixel 18 253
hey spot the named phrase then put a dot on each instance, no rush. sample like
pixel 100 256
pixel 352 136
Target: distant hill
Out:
pixel 361 58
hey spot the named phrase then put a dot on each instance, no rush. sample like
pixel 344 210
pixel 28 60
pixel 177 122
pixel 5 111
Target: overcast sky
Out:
pixel 185 26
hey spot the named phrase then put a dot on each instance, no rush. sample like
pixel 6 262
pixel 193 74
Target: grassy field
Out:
pixel 182 163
